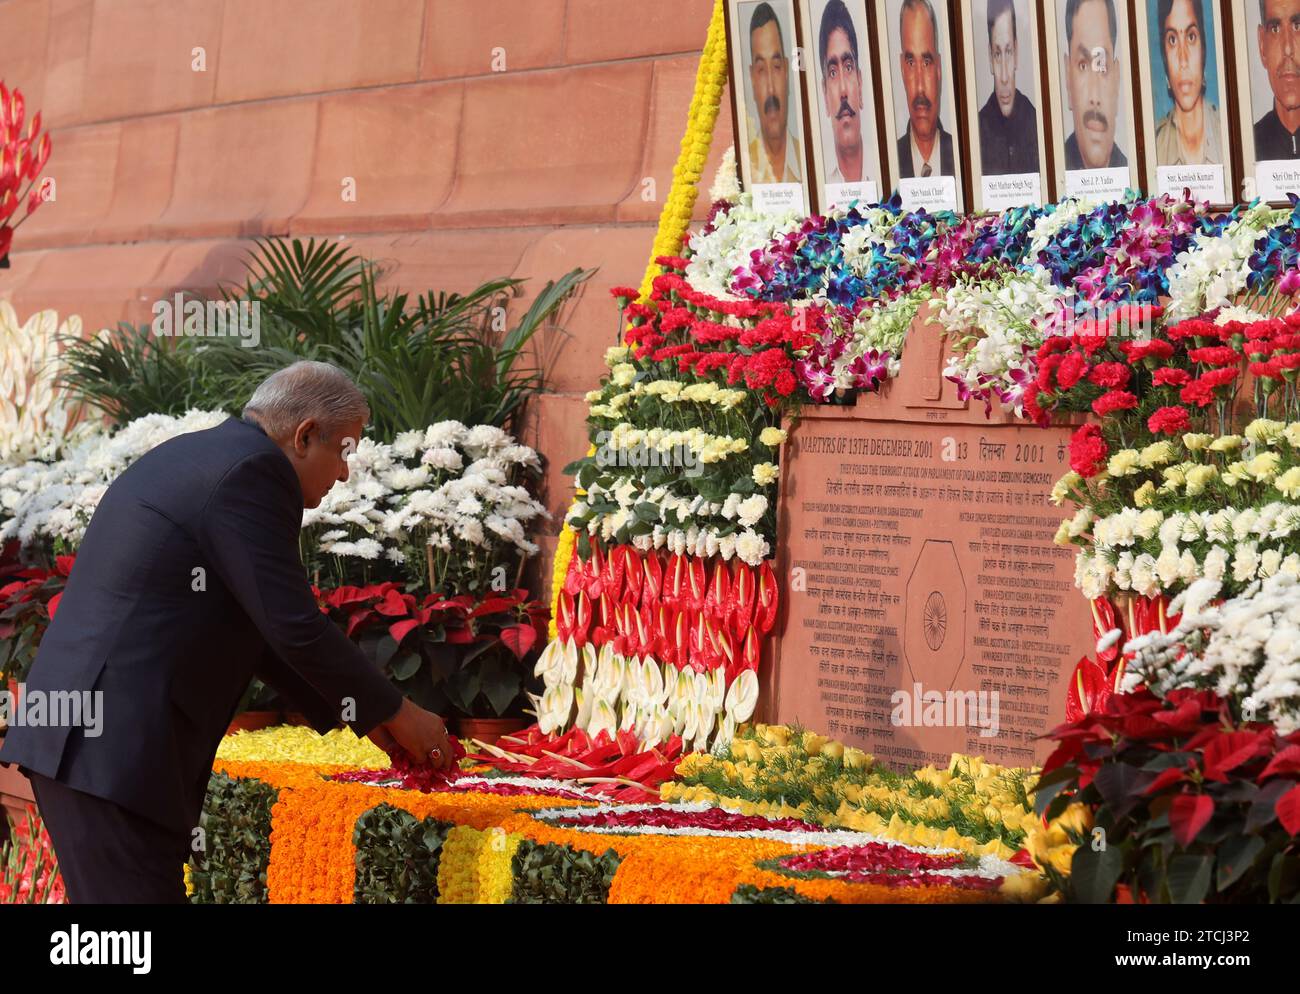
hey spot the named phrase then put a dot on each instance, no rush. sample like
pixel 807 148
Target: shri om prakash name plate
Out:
pixel 927 609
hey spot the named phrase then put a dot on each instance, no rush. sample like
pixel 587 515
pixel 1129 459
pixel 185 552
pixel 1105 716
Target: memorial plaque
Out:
pixel 928 609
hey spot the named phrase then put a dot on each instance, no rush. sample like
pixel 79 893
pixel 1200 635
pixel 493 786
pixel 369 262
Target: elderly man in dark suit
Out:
pixel 189 583
pixel 924 149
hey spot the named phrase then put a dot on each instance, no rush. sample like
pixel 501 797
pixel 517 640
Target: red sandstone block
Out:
pixel 144 178
pixel 143 57
pixel 80 169
pixel 292 47
pixel 66 56
pixel 99 283
pixel 572 354
pixel 557 428
pixel 599 31
pixel 241 170
pixel 391 150
pixel 550 147
pixel 24 34
pixel 456 261
pixel 474 38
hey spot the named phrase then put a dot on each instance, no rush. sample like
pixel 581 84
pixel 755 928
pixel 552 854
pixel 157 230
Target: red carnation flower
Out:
pixel 1088 451
pixel 1115 400
pixel 1170 376
pixel 1169 421
pixel 1157 348
pixel 1215 355
pixel 1114 375
pixel 1072 369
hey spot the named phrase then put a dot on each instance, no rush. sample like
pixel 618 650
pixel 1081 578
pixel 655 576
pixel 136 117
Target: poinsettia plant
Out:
pixel 444 653
pixel 23 154
pixel 1189 803
pixel 27 605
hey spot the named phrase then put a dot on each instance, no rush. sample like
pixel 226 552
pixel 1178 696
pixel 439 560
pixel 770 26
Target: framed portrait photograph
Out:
pixel 1184 111
pixel 1090 80
pixel 1267 38
pixel 838 52
pixel 919 98
pixel 1004 104
pixel 766 66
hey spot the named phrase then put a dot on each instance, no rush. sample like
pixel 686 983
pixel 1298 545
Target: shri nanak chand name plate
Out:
pixel 929 611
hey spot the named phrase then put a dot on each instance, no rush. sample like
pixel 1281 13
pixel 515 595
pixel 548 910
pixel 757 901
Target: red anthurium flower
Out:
pixel 741 607
pixel 654 578
pixel 698 582
pixel 576 578
pixel 768 599
pixel 719 595
pixel 633 575
pixel 1089 690
pixel 1103 622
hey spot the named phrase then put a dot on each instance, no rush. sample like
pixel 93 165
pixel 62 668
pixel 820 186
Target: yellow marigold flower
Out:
pixel 772 437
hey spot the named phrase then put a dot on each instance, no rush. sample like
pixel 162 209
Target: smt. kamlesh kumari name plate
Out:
pixel 929 611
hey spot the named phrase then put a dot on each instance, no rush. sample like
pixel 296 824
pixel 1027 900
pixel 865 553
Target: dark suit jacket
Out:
pixel 946 164
pixel 173 661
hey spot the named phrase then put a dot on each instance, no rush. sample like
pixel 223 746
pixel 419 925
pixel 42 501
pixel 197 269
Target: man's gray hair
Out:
pixel 920 5
pixel 305 390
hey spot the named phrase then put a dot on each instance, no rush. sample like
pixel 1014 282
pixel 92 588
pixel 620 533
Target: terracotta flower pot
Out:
pixel 253 721
pixel 487 730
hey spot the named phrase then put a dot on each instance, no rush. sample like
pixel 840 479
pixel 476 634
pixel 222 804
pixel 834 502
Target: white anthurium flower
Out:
pixel 630 716
pixel 704 717
pixel 603 719
pixel 652 679
pixel 726 733
pixel 589 663
pixel 690 722
pixel 569 671
pixel 550 664
pixel 717 688
pixel 609 678
pixel 584 697
pixel 742 697
pixel 671 675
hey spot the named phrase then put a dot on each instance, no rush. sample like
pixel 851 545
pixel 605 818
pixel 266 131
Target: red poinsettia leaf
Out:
pixel 1288 810
pixel 393 606
pixel 1228 751
pixel 53 605
pixel 1188 815
pixel 1170 776
pixel 63 564
pixel 460 636
pixel 519 639
pixel 400 629
pixel 357 620
pixel 1286 761
pixel 493 605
